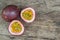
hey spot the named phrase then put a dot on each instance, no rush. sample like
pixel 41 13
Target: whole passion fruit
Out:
pixel 28 14
pixel 10 12
pixel 16 27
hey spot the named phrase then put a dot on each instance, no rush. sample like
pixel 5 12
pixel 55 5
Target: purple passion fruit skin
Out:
pixel 10 12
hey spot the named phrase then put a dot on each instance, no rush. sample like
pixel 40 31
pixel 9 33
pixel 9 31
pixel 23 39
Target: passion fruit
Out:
pixel 16 27
pixel 10 12
pixel 28 14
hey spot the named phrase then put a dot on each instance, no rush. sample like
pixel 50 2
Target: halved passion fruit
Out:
pixel 28 14
pixel 16 27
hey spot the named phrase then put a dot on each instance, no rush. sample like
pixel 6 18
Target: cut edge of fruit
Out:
pixel 9 28
pixel 28 21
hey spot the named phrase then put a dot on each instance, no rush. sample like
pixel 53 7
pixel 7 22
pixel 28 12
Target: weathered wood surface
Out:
pixel 46 25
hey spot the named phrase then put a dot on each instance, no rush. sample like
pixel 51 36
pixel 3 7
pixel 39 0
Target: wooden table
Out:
pixel 46 25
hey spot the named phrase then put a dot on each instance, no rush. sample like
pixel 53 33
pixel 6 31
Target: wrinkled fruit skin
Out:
pixel 10 12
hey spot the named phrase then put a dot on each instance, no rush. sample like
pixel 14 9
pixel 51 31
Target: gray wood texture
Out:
pixel 46 25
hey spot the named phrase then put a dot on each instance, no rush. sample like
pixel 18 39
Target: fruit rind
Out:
pixel 28 21
pixel 9 28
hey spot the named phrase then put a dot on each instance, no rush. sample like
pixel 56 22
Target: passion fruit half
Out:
pixel 28 14
pixel 10 12
pixel 16 27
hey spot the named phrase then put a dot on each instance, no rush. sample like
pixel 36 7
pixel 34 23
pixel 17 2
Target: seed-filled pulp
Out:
pixel 16 27
pixel 27 14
